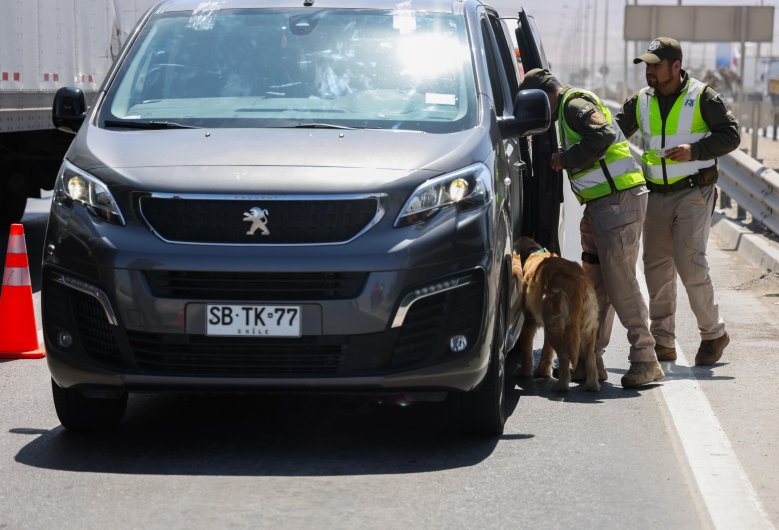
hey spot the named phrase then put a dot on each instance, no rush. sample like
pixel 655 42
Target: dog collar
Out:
pixel 536 251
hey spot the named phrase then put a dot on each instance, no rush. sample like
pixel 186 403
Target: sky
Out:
pixel 563 30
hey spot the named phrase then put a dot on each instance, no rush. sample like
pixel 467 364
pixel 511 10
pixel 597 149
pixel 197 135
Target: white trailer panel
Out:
pixel 48 44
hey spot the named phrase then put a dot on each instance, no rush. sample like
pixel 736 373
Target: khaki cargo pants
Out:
pixel 611 229
pixel 676 232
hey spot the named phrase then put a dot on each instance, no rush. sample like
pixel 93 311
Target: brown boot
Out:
pixel 710 351
pixel 664 353
pixel 578 375
pixel 642 373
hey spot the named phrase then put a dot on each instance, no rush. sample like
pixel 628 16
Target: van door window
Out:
pixel 493 69
pixel 506 54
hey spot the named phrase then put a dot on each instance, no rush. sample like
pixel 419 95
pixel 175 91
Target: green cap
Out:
pixel 536 78
pixel 659 49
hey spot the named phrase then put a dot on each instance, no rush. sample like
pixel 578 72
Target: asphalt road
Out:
pixel 698 450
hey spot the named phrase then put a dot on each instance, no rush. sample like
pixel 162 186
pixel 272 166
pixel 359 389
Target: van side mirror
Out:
pixel 69 109
pixel 531 115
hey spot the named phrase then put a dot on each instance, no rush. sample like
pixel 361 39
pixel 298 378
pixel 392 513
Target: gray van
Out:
pixel 299 197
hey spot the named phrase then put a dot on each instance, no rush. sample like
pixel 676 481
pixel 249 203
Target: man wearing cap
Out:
pixel 684 126
pixel 605 178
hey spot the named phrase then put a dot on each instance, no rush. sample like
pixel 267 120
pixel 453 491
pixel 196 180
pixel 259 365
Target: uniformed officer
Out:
pixel 605 178
pixel 684 126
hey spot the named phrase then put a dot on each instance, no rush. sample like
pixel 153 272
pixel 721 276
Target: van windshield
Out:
pixel 298 67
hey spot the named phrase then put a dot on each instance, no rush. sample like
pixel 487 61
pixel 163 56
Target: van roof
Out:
pixel 441 6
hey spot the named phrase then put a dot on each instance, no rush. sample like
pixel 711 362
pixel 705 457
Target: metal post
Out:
pixel 755 126
pixel 724 200
pixel 593 72
pixel 635 54
pixel 605 47
pixel 585 44
pixel 741 62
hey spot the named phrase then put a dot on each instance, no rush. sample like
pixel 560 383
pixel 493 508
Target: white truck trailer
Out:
pixel 45 45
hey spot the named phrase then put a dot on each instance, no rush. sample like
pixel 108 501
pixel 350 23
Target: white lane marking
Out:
pixel 726 491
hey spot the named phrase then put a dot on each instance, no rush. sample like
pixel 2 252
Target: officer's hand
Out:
pixel 557 161
pixel 681 153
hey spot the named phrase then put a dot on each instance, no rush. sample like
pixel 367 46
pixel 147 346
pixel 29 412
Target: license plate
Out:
pixel 253 320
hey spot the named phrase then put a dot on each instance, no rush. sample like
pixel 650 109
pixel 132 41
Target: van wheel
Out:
pixel 77 412
pixel 482 412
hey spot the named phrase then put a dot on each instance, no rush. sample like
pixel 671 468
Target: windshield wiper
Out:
pixel 147 124
pixel 322 126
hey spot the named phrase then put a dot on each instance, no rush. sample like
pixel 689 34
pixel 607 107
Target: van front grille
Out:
pixel 280 222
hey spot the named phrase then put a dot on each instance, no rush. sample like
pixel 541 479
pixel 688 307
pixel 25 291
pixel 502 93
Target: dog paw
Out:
pixel 592 387
pixel 541 373
pixel 560 386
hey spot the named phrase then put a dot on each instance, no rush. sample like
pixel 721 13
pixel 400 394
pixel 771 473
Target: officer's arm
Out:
pixel 626 117
pixel 725 132
pixel 584 117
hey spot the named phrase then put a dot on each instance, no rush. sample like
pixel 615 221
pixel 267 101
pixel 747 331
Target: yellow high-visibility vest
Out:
pixel 683 125
pixel 615 171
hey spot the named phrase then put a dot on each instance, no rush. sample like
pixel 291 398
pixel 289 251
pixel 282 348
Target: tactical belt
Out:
pixel 684 184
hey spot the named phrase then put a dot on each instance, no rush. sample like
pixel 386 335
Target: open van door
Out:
pixel 543 187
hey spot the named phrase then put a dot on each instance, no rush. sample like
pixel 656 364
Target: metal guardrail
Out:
pixel 754 187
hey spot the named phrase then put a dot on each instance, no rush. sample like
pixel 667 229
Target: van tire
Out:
pixel 482 412
pixel 79 413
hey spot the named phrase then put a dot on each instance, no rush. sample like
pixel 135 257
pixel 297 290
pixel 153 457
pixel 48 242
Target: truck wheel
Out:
pixel 12 205
pixel 482 412
pixel 79 413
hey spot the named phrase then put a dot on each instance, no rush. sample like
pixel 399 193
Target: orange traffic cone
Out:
pixel 18 333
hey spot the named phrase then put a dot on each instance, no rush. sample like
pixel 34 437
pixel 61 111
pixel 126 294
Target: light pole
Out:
pixel 594 35
pixel 605 68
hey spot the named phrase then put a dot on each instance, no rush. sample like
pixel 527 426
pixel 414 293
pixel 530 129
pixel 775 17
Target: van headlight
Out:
pixel 466 188
pixel 76 185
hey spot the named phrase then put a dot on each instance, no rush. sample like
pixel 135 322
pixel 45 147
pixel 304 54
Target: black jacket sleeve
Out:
pixel 725 132
pixel 626 117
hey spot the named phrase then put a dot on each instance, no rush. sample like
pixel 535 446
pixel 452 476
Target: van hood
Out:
pixel 344 148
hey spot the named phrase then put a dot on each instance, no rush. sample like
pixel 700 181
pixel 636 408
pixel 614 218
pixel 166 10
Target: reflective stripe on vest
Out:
pixel 683 125
pixel 615 171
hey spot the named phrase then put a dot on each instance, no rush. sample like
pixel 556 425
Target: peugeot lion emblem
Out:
pixel 258 217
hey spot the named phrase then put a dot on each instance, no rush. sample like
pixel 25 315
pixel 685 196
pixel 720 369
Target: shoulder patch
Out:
pixel 584 111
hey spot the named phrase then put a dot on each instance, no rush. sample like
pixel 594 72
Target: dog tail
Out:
pixel 557 308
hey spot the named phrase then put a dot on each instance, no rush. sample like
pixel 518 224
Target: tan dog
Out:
pixel 558 296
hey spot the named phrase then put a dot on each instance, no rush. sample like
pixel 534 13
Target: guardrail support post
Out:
pixel 741 213
pixel 724 200
pixel 755 125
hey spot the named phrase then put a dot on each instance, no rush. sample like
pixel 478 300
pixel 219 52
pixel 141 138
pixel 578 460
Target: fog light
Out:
pixel 458 343
pixel 65 339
